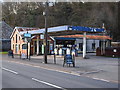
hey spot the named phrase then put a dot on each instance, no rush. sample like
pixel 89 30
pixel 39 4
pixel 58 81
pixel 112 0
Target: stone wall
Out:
pixel 5 32
pixel 6 45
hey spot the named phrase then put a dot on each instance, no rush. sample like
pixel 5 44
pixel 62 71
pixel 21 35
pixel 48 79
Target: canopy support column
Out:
pixel 37 45
pixel 54 49
pixel 84 45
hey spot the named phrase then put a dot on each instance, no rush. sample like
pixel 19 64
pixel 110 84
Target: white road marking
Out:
pixel 97 71
pixel 101 79
pixel 104 80
pixel 55 86
pixel 9 70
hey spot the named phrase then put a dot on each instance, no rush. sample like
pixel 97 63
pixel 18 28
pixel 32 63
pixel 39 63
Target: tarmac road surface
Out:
pixel 15 75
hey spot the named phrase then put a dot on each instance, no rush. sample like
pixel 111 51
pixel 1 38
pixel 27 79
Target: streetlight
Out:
pixel 104 33
pixel 46 33
pixel 27 47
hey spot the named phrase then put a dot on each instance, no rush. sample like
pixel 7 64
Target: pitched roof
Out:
pixel 51 29
pixel 6 30
pixel 22 30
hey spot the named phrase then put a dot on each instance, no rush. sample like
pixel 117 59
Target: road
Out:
pixel 15 75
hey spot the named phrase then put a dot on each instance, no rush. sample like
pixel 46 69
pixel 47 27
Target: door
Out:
pixel 40 47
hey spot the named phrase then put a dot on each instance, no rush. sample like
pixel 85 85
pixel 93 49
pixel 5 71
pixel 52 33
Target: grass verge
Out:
pixel 3 52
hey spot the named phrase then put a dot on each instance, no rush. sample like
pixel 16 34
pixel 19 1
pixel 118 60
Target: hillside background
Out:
pixel 90 14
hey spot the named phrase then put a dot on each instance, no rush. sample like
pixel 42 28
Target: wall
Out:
pixel 19 43
pixel 6 45
pixel 89 44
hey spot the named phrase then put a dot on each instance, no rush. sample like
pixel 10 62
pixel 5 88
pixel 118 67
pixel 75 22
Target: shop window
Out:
pixel 24 46
pixel 16 48
pixel 93 46
pixel 19 46
pixel 19 38
pixel 13 46
pixel 13 38
pixel 16 38
pixel 81 46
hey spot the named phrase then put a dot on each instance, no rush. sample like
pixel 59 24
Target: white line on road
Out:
pixel 55 86
pixel 97 71
pixel 9 70
pixel 104 80
pixel 101 79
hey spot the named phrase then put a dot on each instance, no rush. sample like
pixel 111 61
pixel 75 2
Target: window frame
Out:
pixel 16 38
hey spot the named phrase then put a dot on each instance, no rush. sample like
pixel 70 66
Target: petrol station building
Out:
pixel 85 39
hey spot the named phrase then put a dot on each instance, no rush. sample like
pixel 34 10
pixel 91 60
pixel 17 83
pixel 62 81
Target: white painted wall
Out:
pixel 89 44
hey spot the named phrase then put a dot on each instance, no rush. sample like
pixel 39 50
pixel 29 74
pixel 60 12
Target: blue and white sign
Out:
pixel 85 29
pixel 27 35
pixel 68 59
pixel 41 36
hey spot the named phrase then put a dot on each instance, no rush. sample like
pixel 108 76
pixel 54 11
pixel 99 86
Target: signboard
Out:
pixel 27 35
pixel 51 47
pixel 68 59
pixel 23 56
pixel 85 29
pixel 41 36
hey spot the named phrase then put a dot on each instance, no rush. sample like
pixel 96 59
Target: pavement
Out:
pixel 96 67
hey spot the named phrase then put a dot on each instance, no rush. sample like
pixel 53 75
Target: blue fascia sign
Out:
pixel 85 29
pixel 27 35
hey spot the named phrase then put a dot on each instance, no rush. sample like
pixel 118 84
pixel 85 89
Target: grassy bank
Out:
pixel 3 52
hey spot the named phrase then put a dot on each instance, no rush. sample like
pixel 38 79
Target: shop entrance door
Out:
pixel 40 47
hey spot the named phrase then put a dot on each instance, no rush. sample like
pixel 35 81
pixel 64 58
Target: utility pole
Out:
pixel 27 47
pixel 104 40
pixel 46 34
pixel 27 37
